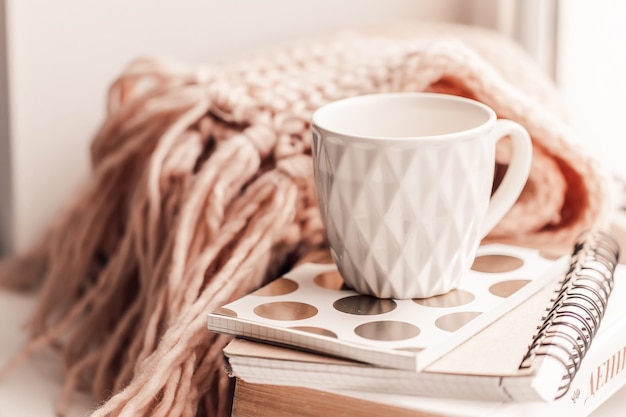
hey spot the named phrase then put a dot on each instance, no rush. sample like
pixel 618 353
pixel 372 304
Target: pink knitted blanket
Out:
pixel 202 190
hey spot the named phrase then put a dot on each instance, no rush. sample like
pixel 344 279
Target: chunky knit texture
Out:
pixel 202 190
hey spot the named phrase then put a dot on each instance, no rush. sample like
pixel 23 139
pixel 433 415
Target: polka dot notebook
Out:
pixel 311 308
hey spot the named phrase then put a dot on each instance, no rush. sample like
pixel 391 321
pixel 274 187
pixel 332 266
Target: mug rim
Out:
pixel 484 127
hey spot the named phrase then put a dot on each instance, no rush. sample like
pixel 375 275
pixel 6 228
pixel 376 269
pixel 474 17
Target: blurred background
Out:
pixel 58 58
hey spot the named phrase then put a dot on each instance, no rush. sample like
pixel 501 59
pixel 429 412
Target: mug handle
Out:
pixel 516 174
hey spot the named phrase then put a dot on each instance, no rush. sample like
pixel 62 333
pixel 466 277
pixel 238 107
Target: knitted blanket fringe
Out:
pixel 201 191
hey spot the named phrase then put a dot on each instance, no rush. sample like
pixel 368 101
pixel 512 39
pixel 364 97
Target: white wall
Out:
pixel 591 73
pixel 5 160
pixel 63 54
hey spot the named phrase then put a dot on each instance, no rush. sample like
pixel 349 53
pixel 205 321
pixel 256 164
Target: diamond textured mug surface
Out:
pixel 404 185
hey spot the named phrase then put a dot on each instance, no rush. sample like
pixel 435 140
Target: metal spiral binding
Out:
pixel 577 310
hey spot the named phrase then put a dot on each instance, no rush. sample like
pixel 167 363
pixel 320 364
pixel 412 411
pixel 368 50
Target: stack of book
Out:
pixel 524 334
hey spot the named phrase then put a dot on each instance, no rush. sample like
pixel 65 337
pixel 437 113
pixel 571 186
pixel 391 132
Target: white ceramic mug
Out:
pixel 404 184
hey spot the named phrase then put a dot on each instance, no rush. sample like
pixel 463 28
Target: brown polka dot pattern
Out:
pixel 454 298
pixel 331 280
pixel 280 286
pixel 454 321
pixel 496 264
pixel 507 288
pixel 387 330
pixel 285 311
pixel 314 300
pixel 553 256
pixel 364 305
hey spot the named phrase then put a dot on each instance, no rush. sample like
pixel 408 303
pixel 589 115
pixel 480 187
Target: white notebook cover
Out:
pixel 308 308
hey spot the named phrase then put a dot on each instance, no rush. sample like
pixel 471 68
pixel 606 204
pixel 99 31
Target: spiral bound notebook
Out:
pixel 310 309
pixel 576 313
pixel 531 353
